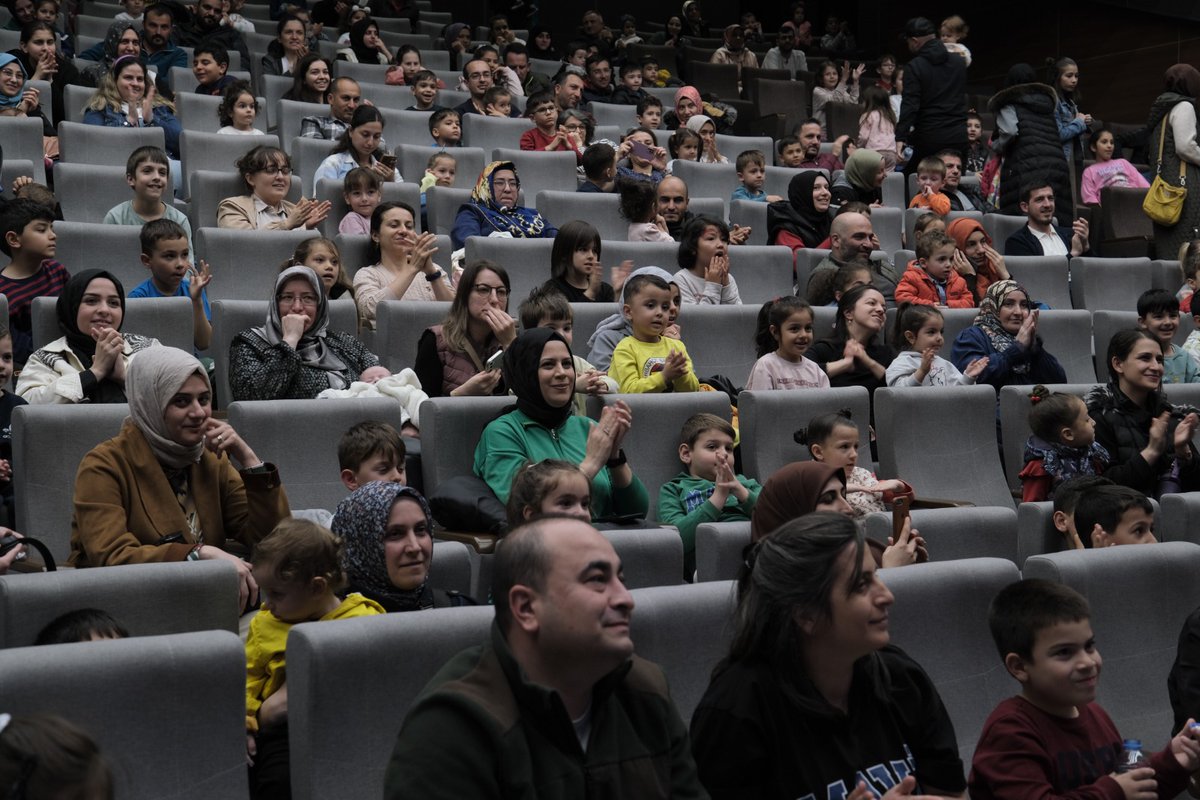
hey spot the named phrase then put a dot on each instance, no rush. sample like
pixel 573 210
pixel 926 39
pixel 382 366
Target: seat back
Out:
pixel 22 137
pixel 762 273
pixel 410 128
pixel 290 113
pixel 86 193
pixel 216 151
pixel 943 443
pixel 92 245
pixel 1014 424
pixel 685 630
pixel 441 206
pixel 456 424
pixel 527 262
pixel 642 254
pixel 540 171
pixel 1111 283
pixel 653 441
pixel 96 144
pixel 412 159
pixel 310 462
pixel 707 180
pixel 136 723
pixel 1001 226
pixel 750 214
pixel 245 263
pixel 888 224
pixel 1067 335
pixel 649 556
pixel 602 211
pixel 168 319
pixel 769 419
pixel 75 100
pixel 719 547
pixel 956 533
pixel 199 112
pixel 1126 228
pixel 491 133
pixel 1139 598
pixel 1104 325
pixel 623 116
pixel 335 684
pixel 720 339
pixel 49 441
pixel 1179 518
pixel 718 79
pixel 945 602
pixel 307 155
pixel 1036 533
pixel 363 73
pixel 399 325
pixel 147 599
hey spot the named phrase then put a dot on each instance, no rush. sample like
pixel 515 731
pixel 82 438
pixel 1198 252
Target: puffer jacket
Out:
pixel 1035 150
pixel 1123 429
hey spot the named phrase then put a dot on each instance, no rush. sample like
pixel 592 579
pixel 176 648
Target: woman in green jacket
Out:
pixel 539 370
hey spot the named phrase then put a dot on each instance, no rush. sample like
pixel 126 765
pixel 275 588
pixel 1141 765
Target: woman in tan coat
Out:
pixel 165 488
pixel 267 172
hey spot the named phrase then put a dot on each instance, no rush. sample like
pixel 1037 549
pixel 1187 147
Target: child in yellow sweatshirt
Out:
pixel 647 361
pixel 298 570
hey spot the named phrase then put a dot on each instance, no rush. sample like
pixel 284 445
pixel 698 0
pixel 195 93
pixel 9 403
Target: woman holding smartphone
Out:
pixel 359 147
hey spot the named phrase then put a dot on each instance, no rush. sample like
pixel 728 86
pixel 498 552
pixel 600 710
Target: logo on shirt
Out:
pixel 879 778
pixel 653 365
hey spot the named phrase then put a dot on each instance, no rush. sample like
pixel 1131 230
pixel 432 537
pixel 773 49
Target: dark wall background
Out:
pixel 1122 46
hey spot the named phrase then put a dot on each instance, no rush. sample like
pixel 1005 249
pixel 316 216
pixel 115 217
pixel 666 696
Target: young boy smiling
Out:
pixel 707 490
pixel 1053 739
pixel 165 252
pixel 148 173
pixel 1158 315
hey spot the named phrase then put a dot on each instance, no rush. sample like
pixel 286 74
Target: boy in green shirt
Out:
pixel 707 490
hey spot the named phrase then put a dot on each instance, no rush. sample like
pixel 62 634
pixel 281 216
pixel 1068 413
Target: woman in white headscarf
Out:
pixel 166 488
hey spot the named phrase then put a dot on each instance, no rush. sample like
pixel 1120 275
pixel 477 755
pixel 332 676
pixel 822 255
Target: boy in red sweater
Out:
pixel 1053 740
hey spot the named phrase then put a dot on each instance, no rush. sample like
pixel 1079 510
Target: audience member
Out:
pixel 647 361
pixel 568 87
pixel 612 329
pixel 576 271
pixel 1005 332
pixel 401 255
pixel 47 756
pixel 37 52
pixel 371 451
pixel 361 191
pixel 783 336
pixel 932 111
pixel 124 100
pixel 785 54
pixel 1062 445
pixel 1027 141
pixel 345 96
pixel 287 48
pixel 851 236
pixel 166 252
pixel 630 92
pixel 493 209
pixel 931 278
pixel 1041 236
pixel 28 240
pixel 810 135
pixel 835 86
pixel 862 180
pixel 295 354
pixel 1107 171
pixel 238 111
pixel 599 87
pixel 267 172
pixel 311 79
pixel 202 25
pixel 802 220
pixel 148 173
pixel 1158 315
pixel 854 355
pixel 365 45
pixel 918 333
pixel 357 148
pixel 210 66
pixel 600 169
pixel 977 261
pixel 703 259
pixel 962 197
pixel 1178 163
pixel 552 577
pixel 459 356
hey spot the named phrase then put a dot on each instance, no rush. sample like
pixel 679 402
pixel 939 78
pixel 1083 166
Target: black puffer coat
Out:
pixel 1035 150
pixel 1123 428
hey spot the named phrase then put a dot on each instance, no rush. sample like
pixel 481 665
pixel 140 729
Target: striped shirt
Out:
pixel 48 281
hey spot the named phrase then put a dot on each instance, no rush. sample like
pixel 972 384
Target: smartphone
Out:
pixel 388 160
pixel 641 151
pixel 494 362
pixel 899 513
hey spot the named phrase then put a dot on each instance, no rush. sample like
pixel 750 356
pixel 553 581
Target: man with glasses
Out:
pixel 477 76
pixel 203 26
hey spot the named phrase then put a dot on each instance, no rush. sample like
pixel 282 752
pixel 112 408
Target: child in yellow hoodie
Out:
pixel 298 570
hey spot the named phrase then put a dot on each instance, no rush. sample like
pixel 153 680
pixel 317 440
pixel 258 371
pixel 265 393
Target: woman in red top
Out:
pixel 803 219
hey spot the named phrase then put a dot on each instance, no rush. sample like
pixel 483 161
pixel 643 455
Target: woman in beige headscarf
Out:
pixel 165 488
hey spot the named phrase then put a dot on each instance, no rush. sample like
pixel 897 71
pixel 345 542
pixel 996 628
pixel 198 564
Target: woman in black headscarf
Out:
pixel 539 369
pixel 803 219
pixel 387 532
pixel 295 355
pixel 1028 143
pixel 88 361
pixel 1177 106
pixel 365 45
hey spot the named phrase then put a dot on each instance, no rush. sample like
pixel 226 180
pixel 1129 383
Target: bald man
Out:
pixel 851 237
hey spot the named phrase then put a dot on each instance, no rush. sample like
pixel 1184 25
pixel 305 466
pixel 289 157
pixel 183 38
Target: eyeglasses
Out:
pixel 308 300
pixel 483 290
pixel 275 169
pixel 505 183
pixel 10 74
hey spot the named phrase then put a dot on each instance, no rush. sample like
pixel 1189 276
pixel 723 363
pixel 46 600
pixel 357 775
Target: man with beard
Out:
pixel 201 23
pixel 673 206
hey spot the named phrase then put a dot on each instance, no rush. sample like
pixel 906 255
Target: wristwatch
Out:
pixel 433 276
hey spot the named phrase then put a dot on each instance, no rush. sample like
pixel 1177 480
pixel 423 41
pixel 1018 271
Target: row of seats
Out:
pixel 1139 597
pixel 941 441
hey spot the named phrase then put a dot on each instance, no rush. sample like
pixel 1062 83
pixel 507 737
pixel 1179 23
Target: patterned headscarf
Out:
pixel 989 321
pixel 361 520
pixel 521 222
pixel 311 347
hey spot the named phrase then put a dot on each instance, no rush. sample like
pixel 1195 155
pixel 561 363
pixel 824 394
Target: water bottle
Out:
pixel 1131 756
